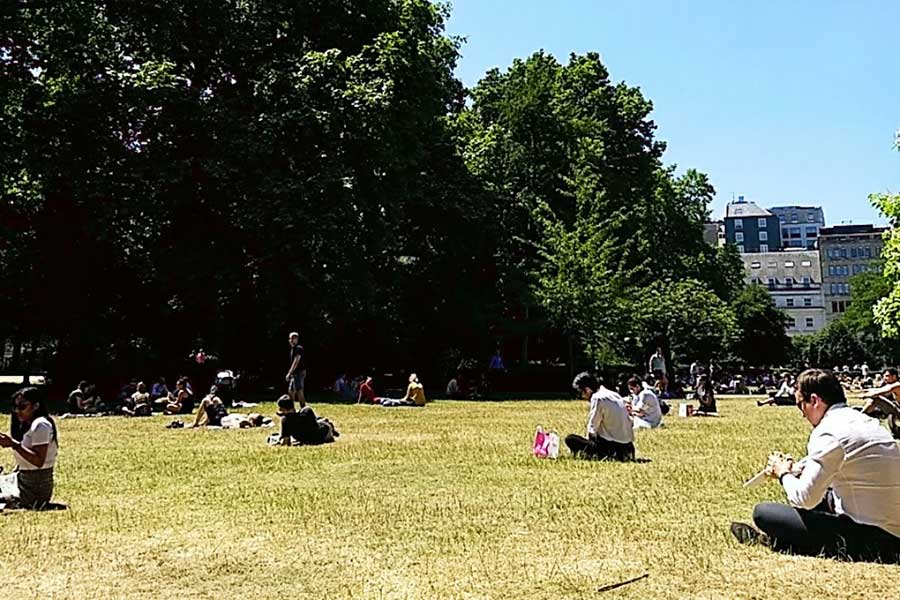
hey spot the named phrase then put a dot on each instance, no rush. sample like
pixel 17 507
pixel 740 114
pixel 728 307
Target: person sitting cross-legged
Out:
pixel 844 495
pixel 645 409
pixel 609 429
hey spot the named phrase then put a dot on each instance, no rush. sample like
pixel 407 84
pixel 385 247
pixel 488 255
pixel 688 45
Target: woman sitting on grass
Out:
pixel 303 428
pixel 415 395
pixel 34 442
pixel 211 410
pixel 139 403
pixel 783 397
pixel 182 401
pixel 706 398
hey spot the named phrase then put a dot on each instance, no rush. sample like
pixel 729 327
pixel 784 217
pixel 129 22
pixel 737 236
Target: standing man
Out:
pixel 844 495
pixel 296 375
pixel 695 372
pixel 609 429
pixel 657 362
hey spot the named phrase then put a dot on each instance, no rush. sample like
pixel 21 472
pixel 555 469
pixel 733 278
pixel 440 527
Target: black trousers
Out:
pixel 819 531
pixel 598 448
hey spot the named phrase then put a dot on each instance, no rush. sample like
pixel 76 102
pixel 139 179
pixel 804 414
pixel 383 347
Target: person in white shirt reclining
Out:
pixel 845 494
pixel 609 429
pixel 645 409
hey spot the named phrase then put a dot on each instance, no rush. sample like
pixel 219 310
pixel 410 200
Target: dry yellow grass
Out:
pixel 443 502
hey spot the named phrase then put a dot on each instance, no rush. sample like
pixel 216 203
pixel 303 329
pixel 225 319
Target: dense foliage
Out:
pixel 217 173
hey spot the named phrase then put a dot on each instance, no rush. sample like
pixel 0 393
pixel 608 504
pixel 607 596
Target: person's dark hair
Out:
pixel 585 380
pixel 285 403
pixel 82 385
pixel 822 383
pixel 32 395
pixel 891 371
pixel 634 382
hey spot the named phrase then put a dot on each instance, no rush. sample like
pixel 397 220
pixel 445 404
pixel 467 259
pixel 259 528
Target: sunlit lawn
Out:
pixel 444 502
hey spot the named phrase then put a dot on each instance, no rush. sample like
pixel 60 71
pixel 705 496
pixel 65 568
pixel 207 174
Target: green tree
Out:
pixel 761 339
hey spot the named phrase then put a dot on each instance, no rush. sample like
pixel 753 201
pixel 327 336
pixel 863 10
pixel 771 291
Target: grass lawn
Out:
pixel 444 502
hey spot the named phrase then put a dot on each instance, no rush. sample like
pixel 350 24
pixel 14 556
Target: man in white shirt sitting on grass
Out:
pixel 645 409
pixel 845 494
pixel 609 429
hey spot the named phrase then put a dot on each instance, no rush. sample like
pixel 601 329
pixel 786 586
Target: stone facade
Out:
pixel 794 280
pixel 845 251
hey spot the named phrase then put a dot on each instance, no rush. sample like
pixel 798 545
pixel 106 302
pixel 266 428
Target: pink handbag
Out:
pixel 546 444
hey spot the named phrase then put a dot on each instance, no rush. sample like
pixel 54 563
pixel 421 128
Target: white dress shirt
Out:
pixel 648 402
pixel 859 460
pixel 608 418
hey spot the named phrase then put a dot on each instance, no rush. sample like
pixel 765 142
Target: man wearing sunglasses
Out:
pixel 845 494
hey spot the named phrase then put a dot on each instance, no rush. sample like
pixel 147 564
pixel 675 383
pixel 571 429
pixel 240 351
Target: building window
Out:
pixel 789 264
pixel 811 217
pixel 807 281
pixel 755 265
pixel 763 247
pixel 853 252
pixel 807 302
pixel 868 252
pixel 741 249
pixel 809 323
pixel 772 264
pixel 792 323
pixel 738 223
pixel 739 237
pixel 795 218
pixel 772 282
pixel 843 253
pixel 789 282
pixel 805 263
pixel 761 223
pixel 789 303
pixel 838 306
pixel 781 218
pixel 811 232
pixel 764 236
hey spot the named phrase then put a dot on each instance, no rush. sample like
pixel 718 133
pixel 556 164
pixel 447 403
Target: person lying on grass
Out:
pixel 303 428
pixel 645 410
pixel 211 410
pixel 609 429
pixel 783 397
pixel 844 495
pixel 34 442
pixel 415 395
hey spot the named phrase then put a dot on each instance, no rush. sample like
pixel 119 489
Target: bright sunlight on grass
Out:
pixel 444 502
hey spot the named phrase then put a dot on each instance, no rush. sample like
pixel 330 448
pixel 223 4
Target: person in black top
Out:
pixel 211 410
pixel 296 375
pixel 303 427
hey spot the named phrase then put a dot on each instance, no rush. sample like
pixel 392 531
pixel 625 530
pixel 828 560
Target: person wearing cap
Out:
pixel 296 375
pixel 844 496
pixel 303 428
pixel 609 428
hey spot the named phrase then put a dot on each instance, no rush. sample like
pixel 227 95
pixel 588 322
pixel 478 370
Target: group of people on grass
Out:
pixel 843 497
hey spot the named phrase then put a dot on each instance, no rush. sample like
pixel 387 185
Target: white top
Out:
pixel 786 389
pixel 649 403
pixel 657 363
pixel 607 417
pixel 695 368
pixel 856 457
pixel 40 433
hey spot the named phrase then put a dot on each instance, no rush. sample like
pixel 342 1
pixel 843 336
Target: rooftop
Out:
pixel 850 229
pixel 745 209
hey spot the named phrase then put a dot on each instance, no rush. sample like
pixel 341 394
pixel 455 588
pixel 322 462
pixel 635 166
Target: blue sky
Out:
pixel 792 102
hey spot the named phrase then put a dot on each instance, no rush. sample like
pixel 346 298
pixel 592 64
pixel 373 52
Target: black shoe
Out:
pixel 745 534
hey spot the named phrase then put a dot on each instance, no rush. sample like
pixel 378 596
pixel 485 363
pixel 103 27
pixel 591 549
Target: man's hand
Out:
pixel 779 464
pixel 287 378
pixel 6 441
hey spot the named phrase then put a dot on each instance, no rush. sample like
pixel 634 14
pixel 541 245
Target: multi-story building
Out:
pixel 800 225
pixel 751 228
pixel 714 233
pixel 845 251
pixel 794 280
